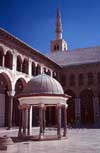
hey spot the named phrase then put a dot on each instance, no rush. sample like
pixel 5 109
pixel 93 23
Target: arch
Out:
pixel 86 106
pixel 8 80
pixel 5 86
pixel 19 64
pixel 38 69
pixel 25 66
pixel 8 60
pixel 44 70
pixel 71 107
pixel 19 86
pixel 33 69
pixel 56 47
pixel 49 72
pixel 54 75
pixel 1 56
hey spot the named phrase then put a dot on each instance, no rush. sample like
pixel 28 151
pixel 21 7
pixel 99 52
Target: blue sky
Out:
pixel 33 21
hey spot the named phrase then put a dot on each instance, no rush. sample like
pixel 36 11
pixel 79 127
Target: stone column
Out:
pixel 96 110
pixel 44 120
pixel 20 123
pixel 29 131
pixel 77 111
pixel 30 68
pixel 41 107
pixel 65 121
pixel 3 61
pixel 49 115
pixel 59 121
pixel 24 121
pixel 14 61
pixel 11 95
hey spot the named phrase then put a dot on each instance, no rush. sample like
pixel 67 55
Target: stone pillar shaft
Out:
pixel 23 122
pixel 20 123
pixel 41 120
pixel 59 121
pixel 77 111
pixel 96 109
pixel 65 121
pixel 10 112
pixel 3 61
pixel 29 131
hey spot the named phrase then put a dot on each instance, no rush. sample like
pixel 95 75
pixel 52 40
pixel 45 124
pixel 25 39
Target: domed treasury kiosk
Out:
pixel 42 91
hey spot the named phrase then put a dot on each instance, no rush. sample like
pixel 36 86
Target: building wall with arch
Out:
pixel 84 79
pixel 19 63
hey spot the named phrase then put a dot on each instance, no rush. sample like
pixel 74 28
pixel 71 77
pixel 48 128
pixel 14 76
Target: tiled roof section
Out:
pixel 4 33
pixel 77 57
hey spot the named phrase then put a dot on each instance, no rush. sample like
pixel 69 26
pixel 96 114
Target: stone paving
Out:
pixel 78 141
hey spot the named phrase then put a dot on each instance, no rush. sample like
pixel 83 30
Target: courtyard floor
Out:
pixel 78 141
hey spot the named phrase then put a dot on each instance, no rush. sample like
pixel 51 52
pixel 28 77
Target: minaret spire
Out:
pixel 58 25
pixel 59 44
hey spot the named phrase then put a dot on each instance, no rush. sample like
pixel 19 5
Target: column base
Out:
pixel 41 136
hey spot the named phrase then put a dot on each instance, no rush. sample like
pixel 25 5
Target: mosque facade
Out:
pixel 78 71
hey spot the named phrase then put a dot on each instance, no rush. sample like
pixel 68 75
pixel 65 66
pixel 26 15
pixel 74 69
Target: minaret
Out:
pixel 58 25
pixel 59 44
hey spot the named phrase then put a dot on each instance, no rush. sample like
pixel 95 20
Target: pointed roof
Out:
pixel 58 25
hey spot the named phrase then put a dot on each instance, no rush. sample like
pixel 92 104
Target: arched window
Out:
pixel 8 60
pixel 63 80
pixel 25 66
pixel 72 80
pixel 49 73
pixel 55 75
pixel 1 56
pixel 57 47
pixel 33 69
pixel 19 64
pixel 90 78
pixel 98 77
pixel 81 79
pixel 38 69
pixel 44 70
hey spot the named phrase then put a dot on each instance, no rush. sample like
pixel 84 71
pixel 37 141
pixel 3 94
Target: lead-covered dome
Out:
pixel 43 84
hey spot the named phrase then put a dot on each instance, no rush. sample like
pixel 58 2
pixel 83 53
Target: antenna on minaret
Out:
pixel 58 25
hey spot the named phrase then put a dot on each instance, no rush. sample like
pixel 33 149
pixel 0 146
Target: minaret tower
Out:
pixel 59 43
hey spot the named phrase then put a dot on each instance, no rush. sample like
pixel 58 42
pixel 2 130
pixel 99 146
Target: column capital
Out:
pixel 41 105
pixel 11 93
pixel 66 106
pixel 24 106
pixel 58 105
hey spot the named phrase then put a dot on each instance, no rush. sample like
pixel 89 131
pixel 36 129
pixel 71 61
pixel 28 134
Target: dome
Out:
pixel 43 84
